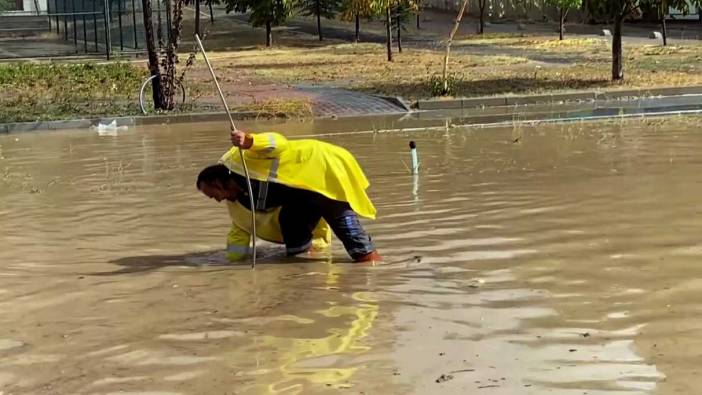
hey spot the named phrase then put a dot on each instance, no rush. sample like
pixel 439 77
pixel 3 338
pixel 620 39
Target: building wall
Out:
pixel 31 5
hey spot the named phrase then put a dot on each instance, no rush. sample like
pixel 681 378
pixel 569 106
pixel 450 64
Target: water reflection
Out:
pixel 565 262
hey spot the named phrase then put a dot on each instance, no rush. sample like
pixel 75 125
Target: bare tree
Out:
pixel 456 25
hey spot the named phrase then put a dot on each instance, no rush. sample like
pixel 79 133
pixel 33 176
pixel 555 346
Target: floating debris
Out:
pixel 444 378
pixel 109 129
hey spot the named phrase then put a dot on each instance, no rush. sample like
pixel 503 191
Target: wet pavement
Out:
pixel 522 260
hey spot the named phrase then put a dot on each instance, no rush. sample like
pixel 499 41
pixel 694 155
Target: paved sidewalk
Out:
pixel 324 101
pixel 340 102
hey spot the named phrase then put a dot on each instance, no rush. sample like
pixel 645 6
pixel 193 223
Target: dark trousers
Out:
pixel 300 215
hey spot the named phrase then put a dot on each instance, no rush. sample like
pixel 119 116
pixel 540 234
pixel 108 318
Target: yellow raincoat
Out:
pixel 306 164
pixel 267 228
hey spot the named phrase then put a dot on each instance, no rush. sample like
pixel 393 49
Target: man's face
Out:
pixel 219 192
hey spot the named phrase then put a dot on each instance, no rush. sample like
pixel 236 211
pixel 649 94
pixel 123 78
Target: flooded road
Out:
pixel 558 259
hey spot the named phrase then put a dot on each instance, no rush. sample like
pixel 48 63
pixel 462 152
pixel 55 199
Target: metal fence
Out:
pixel 59 28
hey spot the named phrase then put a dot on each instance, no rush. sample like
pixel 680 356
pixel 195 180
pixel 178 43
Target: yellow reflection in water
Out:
pixel 346 340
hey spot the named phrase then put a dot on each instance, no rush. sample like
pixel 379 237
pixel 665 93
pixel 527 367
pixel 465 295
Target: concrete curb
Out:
pixel 18 127
pixel 398 101
pixel 590 96
pixel 422 105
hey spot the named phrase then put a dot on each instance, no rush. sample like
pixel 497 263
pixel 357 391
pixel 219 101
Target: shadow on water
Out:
pixel 148 263
pixel 213 260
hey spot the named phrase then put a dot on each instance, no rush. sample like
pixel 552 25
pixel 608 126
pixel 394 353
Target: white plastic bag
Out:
pixel 109 129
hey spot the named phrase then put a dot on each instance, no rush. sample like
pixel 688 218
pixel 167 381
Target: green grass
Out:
pixel 42 92
pixel 57 91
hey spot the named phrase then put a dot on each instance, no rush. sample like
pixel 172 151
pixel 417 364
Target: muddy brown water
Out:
pixel 566 262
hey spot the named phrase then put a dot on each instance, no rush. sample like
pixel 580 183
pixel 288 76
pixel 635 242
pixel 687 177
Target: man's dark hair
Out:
pixel 213 173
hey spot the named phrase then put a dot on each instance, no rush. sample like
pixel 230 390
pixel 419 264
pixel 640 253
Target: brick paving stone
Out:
pixel 340 102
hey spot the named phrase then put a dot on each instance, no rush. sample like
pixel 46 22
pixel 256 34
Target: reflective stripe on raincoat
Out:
pixel 306 164
pixel 267 228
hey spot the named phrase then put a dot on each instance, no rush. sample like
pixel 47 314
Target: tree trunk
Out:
pixel 269 34
pixel 169 83
pixel 399 35
pixel 209 3
pixel 481 26
pixel 197 17
pixel 357 37
pixel 418 20
pixel 388 22
pixel 585 9
pixel 319 21
pixel 159 26
pixel 153 57
pixel 560 24
pixel 169 22
pixel 456 24
pixel 664 28
pixel 617 62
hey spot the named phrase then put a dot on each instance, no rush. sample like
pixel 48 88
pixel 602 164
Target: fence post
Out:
pixel 85 28
pixel 48 13
pixel 65 20
pixel 108 36
pixel 119 22
pixel 134 22
pixel 95 29
pixel 75 25
pixel 56 10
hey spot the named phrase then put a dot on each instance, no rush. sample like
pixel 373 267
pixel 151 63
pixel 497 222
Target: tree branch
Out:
pixel 629 7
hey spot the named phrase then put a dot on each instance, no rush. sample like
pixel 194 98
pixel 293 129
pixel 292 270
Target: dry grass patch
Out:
pixel 280 108
pixel 362 66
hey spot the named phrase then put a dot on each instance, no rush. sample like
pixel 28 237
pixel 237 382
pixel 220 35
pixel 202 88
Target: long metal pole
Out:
pixel 241 151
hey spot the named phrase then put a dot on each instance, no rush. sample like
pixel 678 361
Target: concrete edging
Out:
pixel 590 96
pixel 18 127
pixel 398 101
pixel 422 105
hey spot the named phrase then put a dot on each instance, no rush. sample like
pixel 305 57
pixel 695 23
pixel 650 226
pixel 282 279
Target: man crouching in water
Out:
pixel 301 189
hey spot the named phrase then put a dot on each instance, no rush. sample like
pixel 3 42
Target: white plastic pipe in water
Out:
pixel 413 154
